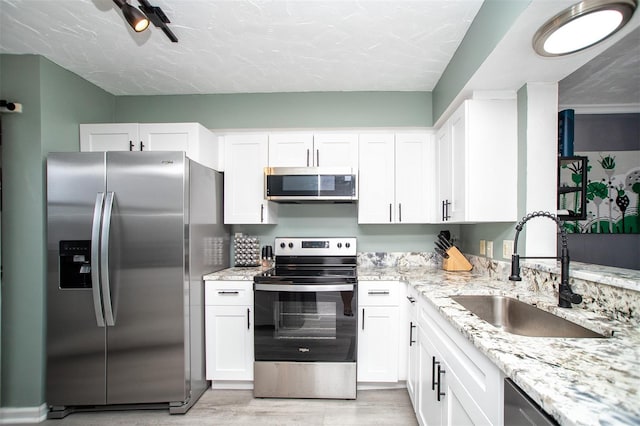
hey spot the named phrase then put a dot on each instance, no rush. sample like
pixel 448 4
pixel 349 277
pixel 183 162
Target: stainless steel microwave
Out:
pixel 310 184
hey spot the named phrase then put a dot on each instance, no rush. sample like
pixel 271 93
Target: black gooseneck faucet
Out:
pixel 565 295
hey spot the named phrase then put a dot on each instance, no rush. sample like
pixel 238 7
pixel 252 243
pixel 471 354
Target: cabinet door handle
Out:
pixel 141 146
pixel 411 327
pixel 307 157
pixel 248 319
pixel 440 373
pixel 363 318
pixel 399 212
pixel 445 210
pixel 411 299
pixel 390 212
pixel 433 372
pixel 261 213
pixel 378 292
pixel 317 158
pixel 228 292
pixel 130 145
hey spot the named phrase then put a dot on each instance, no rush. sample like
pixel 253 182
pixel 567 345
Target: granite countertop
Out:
pixel 577 381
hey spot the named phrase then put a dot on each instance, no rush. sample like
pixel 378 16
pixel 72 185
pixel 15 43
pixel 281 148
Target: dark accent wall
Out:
pixel 606 132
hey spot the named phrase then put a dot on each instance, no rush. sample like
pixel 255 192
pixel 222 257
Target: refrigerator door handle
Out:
pixel 95 258
pixel 104 260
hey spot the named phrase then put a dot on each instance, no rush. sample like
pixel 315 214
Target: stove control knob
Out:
pixel 282 245
pixel 290 245
pixel 347 245
pixel 339 245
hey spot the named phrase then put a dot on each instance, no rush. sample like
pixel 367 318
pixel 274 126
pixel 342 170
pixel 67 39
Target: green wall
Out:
pixel 54 102
pixel 272 110
pixel 490 25
pixel 340 220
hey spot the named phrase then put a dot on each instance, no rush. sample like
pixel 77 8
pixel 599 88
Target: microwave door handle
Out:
pixel 104 260
pixel 95 259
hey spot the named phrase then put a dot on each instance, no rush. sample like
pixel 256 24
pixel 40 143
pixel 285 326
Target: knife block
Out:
pixel 456 261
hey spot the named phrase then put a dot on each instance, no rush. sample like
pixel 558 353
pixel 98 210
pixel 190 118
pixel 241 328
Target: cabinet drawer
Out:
pixel 230 293
pixel 378 293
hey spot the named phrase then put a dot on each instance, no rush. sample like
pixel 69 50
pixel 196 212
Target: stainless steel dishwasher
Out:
pixel 520 410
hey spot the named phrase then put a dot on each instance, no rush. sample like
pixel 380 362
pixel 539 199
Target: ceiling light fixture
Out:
pixel 134 17
pixel 159 19
pixel 582 25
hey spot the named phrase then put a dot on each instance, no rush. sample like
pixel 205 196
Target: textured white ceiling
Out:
pixel 612 78
pixel 245 46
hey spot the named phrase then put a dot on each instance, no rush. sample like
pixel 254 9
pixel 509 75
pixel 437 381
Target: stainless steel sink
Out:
pixel 517 317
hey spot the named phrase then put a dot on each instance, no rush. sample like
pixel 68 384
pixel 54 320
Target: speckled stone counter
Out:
pixel 577 381
pixel 234 274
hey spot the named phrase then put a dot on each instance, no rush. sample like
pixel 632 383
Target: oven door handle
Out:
pixel 313 288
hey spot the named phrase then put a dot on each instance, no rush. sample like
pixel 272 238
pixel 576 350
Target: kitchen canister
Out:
pixel 247 250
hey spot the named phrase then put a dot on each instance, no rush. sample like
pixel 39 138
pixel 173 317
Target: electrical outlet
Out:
pixel 490 249
pixel 483 247
pixel 507 249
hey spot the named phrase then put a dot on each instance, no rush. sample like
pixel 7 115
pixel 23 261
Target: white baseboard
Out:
pixel 9 415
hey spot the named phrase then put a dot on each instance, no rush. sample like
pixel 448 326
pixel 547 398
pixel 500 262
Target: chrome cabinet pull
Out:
pixel 228 292
pixel 363 318
pixel 248 319
pixel 307 157
pixel 390 210
pixel 317 157
pixel 378 292
pixel 411 299
pixel 399 212
pixel 261 213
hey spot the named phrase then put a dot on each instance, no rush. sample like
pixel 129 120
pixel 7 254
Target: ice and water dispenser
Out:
pixel 75 264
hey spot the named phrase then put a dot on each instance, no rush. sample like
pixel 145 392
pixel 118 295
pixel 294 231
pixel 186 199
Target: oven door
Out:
pixel 310 322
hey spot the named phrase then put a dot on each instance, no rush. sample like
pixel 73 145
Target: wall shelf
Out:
pixel 572 188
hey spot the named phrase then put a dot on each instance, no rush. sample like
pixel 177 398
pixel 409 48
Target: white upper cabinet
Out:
pixel 397 178
pixel 306 149
pixel 290 149
pixel 195 140
pixel 376 199
pixel 415 177
pixel 336 150
pixel 246 156
pixel 109 137
pixel 477 159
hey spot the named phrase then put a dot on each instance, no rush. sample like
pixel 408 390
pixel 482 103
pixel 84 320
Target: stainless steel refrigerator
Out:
pixel 130 235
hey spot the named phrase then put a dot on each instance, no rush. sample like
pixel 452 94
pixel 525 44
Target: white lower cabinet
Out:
pixel 412 342
pixel 229 331
pixel 378 331
pixel 457 384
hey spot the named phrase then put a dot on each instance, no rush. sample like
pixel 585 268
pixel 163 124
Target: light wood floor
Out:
pixel 239 407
